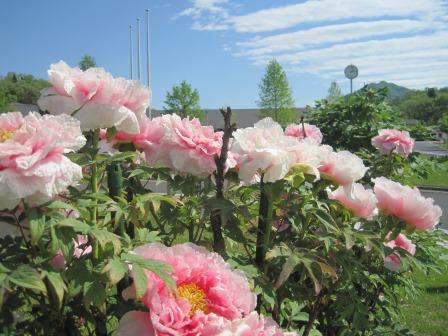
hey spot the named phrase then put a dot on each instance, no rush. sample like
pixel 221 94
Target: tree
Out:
pixel 428 106
pixel 334 92
pixel 184 100
pixel 351 123
pixel 86 62
pixel 275 95
pixel 20 88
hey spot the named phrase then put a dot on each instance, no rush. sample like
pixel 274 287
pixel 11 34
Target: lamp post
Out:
pixel 148 63
pixel 130 51
pixel 138 49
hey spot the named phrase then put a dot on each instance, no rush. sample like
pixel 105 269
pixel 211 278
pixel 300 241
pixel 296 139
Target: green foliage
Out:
pixel 275 95
pixel 420 132
pixel 334 92
pixel 322 268
pixel 20 88
pixel 426 106
pixel 184 101
pixel 351 122
pixel 87 62
pixel 443 123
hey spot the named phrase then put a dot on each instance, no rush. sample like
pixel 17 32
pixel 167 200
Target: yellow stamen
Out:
pixel 5 135
pixel 195 296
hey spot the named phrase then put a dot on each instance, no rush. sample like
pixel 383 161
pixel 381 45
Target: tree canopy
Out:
pixel 275 95
pixel 184 101
pixel 428 105
pixel 87 62
pixel 20 88
pixel 334 92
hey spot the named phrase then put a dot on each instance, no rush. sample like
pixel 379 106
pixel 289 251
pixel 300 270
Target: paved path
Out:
pixel 430 148
pixel 441 199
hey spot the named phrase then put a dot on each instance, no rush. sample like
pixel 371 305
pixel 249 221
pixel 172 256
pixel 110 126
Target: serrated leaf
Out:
pixel 116 269
pixel 104 237
pixel 94 292
pixel 27 277
pixel 161 269
pixel 76 224
pixel 140 280
pixel 60 205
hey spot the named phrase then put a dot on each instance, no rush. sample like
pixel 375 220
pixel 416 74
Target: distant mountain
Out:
pixel 395 91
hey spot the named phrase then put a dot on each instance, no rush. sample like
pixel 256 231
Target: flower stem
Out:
pixel 264 226
pixel 94 185
pixel 215 216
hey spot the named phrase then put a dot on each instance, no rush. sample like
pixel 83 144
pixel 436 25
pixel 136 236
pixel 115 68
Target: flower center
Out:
pixel 6 135
pixel 195 296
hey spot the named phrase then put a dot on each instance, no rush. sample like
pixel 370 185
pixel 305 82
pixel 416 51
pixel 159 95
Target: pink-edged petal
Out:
pixel 135 323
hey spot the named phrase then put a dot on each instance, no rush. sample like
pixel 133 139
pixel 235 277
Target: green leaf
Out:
pixel 94 292
pixel 296 175
pixel 161 269
pixel 116 269
pixel 121 157
pixel 37 224
pixel 58 285
pixel 27 277
pixel 223 206
pixel 287 268
pixel 140 280
pixel 110 133
pixel 60 205
pixel 281 250
pixel 76 224
pixel 104 237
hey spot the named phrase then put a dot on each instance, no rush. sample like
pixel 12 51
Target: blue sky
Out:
pixel 221 46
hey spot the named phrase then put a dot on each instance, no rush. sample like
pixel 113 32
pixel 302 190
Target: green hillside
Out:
pixel 396 92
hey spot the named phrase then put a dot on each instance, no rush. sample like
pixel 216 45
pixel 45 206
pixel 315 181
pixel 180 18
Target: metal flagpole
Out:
pixel 148 63
pixel 130 50
pixel 138 49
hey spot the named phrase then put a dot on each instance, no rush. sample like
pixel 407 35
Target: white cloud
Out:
pixel 200 7
pixel 331 10
pixel 331 34
pixel 207 14
pixel 404 41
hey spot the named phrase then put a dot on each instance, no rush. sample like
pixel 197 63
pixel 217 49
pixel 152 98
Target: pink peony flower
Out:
pixel 263 149
pixel 312 132
pixel 342 167
pixel 81 249
pixel 209 293
pixel 308 155
pixel 254 325
pixel 147 140
pixel 391 140
pixel 186 146
pixel 95 98
pixel 406 203
pixel 32 164
pixel 393 260
pixel 361 202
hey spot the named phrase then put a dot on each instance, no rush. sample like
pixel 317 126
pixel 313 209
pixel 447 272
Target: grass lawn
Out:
pixel 427 314
pixel 438 178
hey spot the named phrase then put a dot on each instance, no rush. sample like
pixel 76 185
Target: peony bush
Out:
pixel 261 231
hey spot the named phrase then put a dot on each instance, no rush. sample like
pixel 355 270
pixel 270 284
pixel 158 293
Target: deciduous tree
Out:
pixel 275 95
